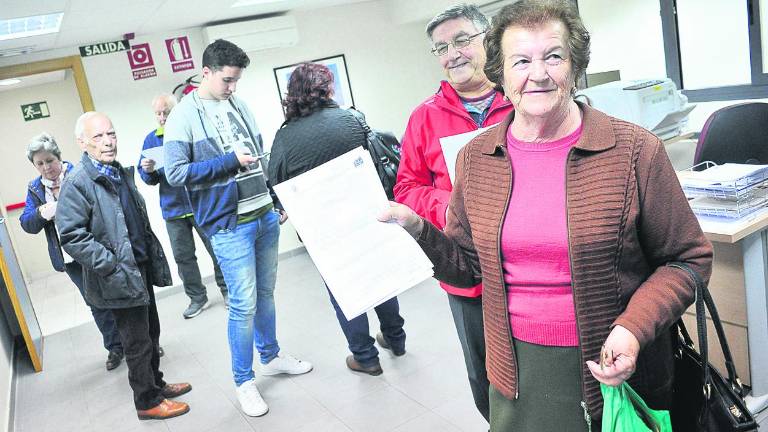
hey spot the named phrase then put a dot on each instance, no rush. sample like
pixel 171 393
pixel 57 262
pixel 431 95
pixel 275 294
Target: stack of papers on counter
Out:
pixel 729 190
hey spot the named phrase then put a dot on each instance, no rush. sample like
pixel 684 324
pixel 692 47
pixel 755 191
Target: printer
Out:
pixel 656 105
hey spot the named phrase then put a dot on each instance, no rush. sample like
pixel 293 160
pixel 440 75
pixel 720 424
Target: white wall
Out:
pixel 713 59
pixel 625 37
pixel 629 39
pixel 408 11
pixel 389 65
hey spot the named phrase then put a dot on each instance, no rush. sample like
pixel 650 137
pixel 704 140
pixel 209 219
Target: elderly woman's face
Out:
pixel 537 72
pixel 47 164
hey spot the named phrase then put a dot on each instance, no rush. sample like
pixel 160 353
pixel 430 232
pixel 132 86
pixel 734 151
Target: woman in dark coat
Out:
pixel 315 131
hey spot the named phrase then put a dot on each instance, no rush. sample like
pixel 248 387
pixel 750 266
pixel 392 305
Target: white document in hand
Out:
pixel 451 146
pixel 333 208
pixel 156 154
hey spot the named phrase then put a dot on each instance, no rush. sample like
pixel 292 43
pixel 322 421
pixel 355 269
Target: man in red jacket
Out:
pixel 466 102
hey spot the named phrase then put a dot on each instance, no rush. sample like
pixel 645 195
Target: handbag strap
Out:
pixel 729 364
pixel 705 302
pixel 361 120
pixel 368 143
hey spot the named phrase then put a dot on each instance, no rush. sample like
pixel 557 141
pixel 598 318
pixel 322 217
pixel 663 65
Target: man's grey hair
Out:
pixel 43 143
pixel 169 99
pixel 80 123
pixel 463 10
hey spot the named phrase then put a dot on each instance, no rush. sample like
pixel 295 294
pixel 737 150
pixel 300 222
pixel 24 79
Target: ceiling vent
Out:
pixel 9 52
pixel 256 35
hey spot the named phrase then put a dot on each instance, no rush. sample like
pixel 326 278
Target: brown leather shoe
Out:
pixel 357 367
pixel 384 343
pixel 165 410
pixel 171 391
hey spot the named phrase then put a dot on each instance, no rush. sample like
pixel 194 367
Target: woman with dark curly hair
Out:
pixel 576 225
pixel 316 131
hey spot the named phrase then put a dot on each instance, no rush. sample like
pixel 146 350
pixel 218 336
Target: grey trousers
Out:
pixel 549 393
pixel 468 318
pixel 183 246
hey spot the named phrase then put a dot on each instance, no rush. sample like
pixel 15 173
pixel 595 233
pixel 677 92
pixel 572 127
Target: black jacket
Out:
pixel 307 142
pixel 93 231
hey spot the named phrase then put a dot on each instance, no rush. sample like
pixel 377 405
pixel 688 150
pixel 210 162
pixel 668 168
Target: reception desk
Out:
pixel 739 286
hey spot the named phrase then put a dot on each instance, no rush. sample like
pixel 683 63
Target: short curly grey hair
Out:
pixel 463 10
pixel 43 143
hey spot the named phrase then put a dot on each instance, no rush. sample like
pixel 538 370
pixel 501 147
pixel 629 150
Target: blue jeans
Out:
pixel 358 337
pixel 247 256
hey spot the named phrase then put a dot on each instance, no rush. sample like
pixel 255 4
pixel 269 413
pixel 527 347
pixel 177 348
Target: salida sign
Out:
pixel 104 48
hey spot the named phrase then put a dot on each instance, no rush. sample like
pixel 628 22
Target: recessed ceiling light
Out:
pixel 9 82
pixel 16 28
pixel 243 3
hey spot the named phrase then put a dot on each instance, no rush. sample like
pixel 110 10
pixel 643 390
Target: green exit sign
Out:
pixel 35 111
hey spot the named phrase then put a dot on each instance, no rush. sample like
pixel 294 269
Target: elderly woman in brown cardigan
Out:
pixel 570 219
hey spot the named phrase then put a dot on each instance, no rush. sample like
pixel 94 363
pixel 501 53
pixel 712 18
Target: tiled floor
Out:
pixel 425 390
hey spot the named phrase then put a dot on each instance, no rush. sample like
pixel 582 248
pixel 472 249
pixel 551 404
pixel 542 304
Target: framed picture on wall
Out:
pixel 342 92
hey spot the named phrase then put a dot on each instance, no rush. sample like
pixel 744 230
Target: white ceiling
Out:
pixel 92 21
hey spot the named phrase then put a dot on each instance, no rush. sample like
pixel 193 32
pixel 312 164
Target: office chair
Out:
pixel 737 134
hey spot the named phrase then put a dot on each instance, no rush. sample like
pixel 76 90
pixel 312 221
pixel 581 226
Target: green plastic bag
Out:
pixel 625 411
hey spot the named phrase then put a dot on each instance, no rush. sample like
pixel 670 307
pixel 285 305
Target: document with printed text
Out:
pixel 451 146
pixel 333 208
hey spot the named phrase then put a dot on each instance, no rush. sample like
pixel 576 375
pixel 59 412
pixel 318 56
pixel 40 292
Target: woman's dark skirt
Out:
pixel 549 392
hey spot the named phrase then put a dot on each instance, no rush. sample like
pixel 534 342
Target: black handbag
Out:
pixel 385 152
pixel 705 401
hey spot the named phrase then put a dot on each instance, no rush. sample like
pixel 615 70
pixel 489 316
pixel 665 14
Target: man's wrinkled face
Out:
pixel 161 110
pixel 99 139
pixel 463 66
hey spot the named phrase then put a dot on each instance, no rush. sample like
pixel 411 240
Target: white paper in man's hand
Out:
pixel 333 208
pixel 451 146
pixel 156 154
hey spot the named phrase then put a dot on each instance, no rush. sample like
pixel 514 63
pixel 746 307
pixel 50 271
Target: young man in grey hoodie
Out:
pixel 213 147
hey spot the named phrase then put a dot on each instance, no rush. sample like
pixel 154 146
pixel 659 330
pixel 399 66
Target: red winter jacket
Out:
pixel 423 183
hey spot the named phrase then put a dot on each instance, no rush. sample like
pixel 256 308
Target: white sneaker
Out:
pixel 250 399
pixel 285 364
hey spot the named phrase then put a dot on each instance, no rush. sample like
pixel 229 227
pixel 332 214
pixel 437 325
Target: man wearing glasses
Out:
pixel 466 102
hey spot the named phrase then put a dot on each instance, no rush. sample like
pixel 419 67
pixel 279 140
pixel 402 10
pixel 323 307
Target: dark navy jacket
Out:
pixel 33 223
pixel 174 201
pixel 95 233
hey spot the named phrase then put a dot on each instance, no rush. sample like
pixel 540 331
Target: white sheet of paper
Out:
pixel 451 146
pixel 333 208
pixel 156 154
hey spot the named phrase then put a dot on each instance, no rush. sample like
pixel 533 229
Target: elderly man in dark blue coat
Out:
pixel 103 223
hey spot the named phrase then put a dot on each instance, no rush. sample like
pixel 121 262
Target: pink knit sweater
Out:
pixel 534 244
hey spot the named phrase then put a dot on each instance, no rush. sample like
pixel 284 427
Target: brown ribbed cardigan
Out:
pixel 627 217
